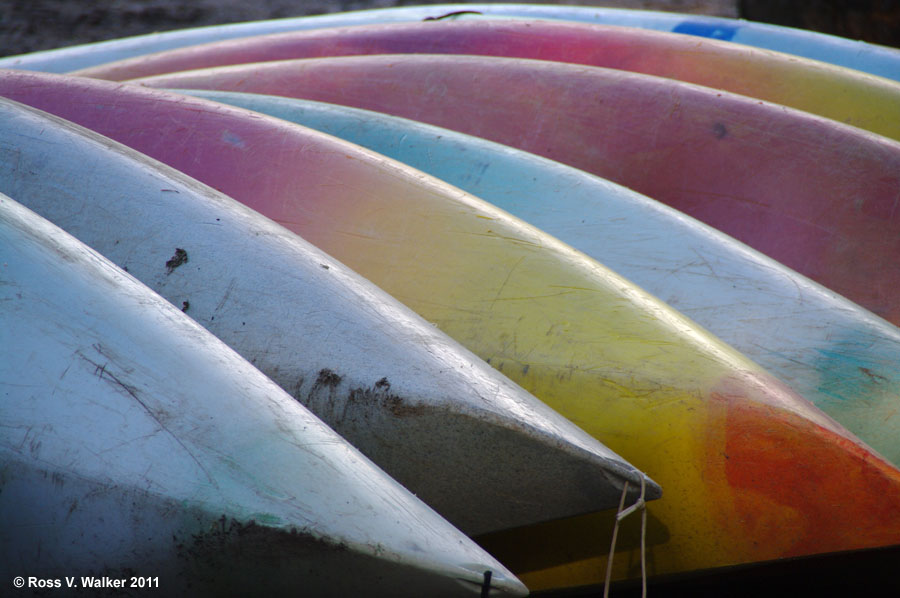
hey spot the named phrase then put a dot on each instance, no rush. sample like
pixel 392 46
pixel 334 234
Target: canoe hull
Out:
pixel 870 58
pixel 811 193
pixel 840 94
pixel 839 356
pixel 368 366
pixel 131 429
pixel 616 361
pixel 143 540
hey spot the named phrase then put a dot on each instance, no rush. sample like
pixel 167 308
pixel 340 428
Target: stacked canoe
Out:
pixel 319 300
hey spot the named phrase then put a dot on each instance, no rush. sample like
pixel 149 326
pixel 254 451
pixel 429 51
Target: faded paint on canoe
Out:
pixel 870 58
pixel 818 196
pixel 845 95
pixel 673 400
pixel 133 440
pixel 843 358
pixel 384 378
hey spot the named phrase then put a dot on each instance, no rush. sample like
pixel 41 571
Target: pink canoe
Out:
pixel 838 93
pixel 819 196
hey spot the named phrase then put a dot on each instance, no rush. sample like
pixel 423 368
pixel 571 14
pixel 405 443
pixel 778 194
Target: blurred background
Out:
pixel 29 25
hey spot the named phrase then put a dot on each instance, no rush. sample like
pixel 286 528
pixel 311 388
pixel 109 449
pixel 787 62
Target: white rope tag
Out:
pixel 620 515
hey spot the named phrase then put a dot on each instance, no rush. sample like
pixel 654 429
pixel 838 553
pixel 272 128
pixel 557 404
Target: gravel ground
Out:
pixel 29 25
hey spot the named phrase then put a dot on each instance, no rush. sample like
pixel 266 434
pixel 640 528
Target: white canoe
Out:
pixel 136 444
pixel 417 403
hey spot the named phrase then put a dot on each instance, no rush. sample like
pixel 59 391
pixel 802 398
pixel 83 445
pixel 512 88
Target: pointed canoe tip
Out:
pixel 486 473
pixel 497 583
pixel 652 490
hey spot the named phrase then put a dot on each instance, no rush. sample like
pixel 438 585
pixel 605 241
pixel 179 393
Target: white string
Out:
pixel 643 540
pixel 620 515
pixel 612 546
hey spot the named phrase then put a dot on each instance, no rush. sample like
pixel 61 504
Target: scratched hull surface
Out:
pixel 381 376
pixel 818 196
pixel 870 58
pixel 839 356
pixel 845 95
pixel 133 440
pixel 706 423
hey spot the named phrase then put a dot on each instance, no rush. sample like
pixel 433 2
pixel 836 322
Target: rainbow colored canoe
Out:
pixel 370 368
pixel 841 94
pixel 751 470
pixel 870 58
pixel 841 357
pixel 136 444
pixel 816 195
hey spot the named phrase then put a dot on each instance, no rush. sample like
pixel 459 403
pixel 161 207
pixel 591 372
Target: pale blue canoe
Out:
pixel 372 369
pixel 136 444
pixel 870 58
pixel 842 357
